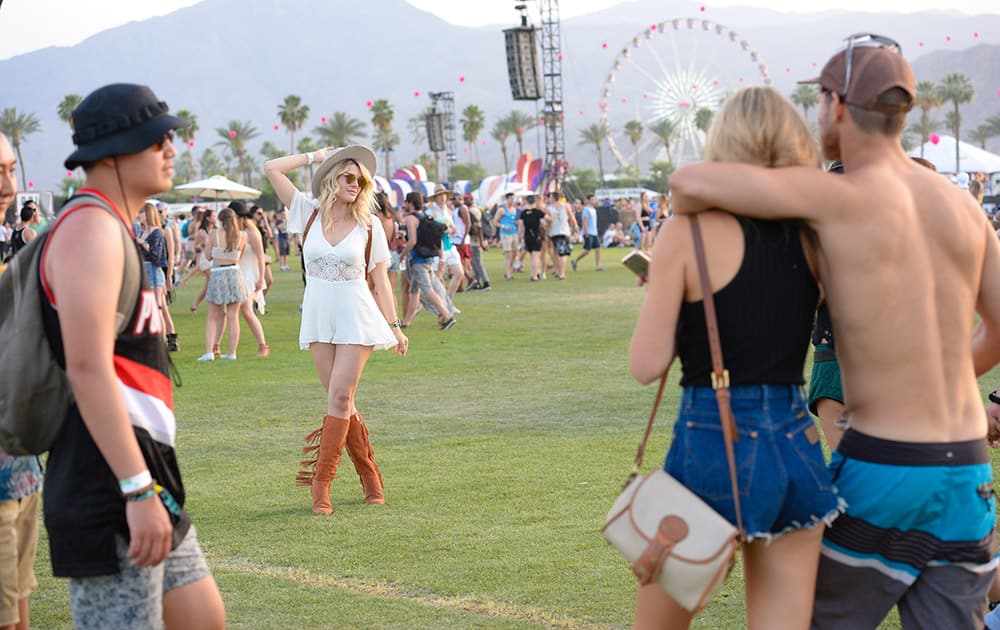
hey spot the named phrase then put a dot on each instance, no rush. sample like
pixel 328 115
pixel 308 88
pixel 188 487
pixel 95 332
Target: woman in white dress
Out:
pixel 253 268
pixel 342 320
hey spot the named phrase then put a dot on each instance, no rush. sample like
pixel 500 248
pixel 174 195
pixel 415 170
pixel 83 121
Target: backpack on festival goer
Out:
pixel 34 390
pixel 429 235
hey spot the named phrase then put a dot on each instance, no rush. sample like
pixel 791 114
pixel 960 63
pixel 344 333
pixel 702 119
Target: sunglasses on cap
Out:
pixel 859 40
pixel 350 178
pixel 159 144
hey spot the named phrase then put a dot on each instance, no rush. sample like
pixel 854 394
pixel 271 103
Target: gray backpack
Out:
pixel 34 391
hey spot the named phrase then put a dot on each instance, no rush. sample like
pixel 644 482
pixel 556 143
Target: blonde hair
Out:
pixel 361 209
pixel 757 125
pixel 152 215
pixel 228 220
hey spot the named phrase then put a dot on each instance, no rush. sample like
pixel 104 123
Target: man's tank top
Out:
pixel 83 506
pixel 765 313
pixel 17 240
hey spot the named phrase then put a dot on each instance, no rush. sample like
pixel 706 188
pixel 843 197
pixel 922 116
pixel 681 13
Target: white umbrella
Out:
pixel 219 187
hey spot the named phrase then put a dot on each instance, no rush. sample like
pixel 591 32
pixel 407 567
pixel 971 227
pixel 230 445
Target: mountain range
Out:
pixel 237 59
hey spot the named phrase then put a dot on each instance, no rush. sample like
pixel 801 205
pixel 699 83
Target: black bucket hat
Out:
pixel 118 119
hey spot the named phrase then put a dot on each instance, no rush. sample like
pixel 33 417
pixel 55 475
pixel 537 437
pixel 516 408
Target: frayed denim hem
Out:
pixel 827 519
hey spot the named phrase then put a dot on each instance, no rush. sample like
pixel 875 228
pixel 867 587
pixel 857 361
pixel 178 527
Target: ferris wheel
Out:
pixel 674 71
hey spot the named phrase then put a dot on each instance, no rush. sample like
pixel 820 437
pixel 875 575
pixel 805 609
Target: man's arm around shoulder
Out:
pixel 792 192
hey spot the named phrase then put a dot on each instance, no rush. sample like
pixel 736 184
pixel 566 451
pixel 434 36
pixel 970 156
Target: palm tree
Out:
pixel 66 107
pixel 595 135
pixel 518 122
pixel 385 138
pixel 235 138
pixel 665 131
pixel 340 130
pixel 293 115
pixel 209 164
pixel 703 119
pixel 633 129
pixel 957 89
pixel 17 126
pixel 928 98
pixel 501 132
pixel 806 97
pixel 417 126
pixel 981 134
pixel 186 134
pixel 473 120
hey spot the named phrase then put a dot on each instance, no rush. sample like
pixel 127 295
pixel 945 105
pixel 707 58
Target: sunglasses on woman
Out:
pixel 350 178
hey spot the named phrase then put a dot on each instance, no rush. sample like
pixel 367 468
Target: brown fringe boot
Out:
pixel 363 456
pixel 328 443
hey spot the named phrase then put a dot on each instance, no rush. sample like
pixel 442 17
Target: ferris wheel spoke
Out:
pixel 642 70
pixel 677 55
pixel 659 60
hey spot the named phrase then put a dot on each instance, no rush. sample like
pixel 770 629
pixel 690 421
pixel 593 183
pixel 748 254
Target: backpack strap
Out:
pixel 132 274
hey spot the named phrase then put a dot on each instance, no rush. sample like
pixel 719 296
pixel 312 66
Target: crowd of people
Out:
pixel 903 515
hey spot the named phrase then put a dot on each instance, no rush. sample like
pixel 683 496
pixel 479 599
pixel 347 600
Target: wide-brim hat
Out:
pixel 357 152
pixel 119 119
pixel 440 189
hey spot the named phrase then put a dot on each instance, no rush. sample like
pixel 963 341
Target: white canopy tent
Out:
pixel 971 159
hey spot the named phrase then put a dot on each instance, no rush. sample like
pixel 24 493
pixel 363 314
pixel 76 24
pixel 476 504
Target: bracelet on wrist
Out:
pixel 142 495
pixel 309 158
pixel 135 483
pixel 395 324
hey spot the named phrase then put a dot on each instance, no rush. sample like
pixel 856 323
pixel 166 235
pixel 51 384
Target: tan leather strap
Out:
pixel 649 429
pixel 671 531
pixel 720 376
pixel 368 254
pixel 309 224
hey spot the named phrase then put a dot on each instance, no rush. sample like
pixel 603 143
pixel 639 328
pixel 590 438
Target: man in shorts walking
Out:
pixel 114 500
pixel 591 239
pixel 907 259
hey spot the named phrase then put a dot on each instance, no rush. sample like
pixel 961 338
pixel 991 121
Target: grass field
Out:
pixel 503 443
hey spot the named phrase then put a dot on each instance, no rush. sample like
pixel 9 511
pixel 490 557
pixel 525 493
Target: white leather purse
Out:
pixel 668 534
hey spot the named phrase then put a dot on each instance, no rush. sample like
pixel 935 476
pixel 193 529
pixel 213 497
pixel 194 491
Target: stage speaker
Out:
pixel 435 132
pixel 522 63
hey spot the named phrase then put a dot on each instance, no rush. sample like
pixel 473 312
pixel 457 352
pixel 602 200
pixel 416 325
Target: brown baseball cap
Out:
pixel 874 71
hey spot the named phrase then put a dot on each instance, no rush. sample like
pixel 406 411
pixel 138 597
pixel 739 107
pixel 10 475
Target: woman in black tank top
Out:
pixel 765 296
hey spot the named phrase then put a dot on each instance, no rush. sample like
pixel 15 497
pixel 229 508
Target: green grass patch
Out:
pixel 503 443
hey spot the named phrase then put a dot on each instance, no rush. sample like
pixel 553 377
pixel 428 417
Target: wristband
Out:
pixel 149 492
pixel 309 158
pixel 394 324
pixel 135 483
pixel 994 398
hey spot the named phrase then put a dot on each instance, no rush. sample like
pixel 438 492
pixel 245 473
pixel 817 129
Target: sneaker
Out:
pixel 517 265
pixel 473 286
pixel 455 310
pixel 448 324
pixel 227 357
pixel 485 287
pixel 208 356
pixel 599 269
pixel 572 263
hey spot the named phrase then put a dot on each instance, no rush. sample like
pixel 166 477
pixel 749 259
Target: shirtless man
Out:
pixel 907 260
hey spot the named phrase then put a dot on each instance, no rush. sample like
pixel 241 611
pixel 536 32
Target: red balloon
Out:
pixel 935 138
pixel 322 119
pixel 232 134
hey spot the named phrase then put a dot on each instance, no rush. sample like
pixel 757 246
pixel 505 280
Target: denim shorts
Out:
pixel 783 481
pixel 156 276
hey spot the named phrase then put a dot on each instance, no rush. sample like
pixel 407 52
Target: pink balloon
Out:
pixel 652 27
pixel 787 69
pixel 921 44
pixel 645 96
pixel 461 79
pixel 416 93
pixel 998 92
pixel 541 121
pixel 503 136
pixel 275 128
pixel 716 82
pixel 976 34
pixel 604 45
pixel 465 149
pixel 741 79
pixel 484 142
pixel 520 130
pixel 814 64
pixel 948 38
pixel 322 119
pixel 232 134
pixel 31 184
pixel 562 116
pixel 191 143
pixel 69 173
pixel 368 103
pixel 581 111
pixel 702 9
pixel 560 57
pixel 935 138
pixel 624 100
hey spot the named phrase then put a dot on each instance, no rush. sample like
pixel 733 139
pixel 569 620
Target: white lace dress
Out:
pixel 338 307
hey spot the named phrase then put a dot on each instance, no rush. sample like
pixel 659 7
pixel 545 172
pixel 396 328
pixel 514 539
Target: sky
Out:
pixel 27 25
